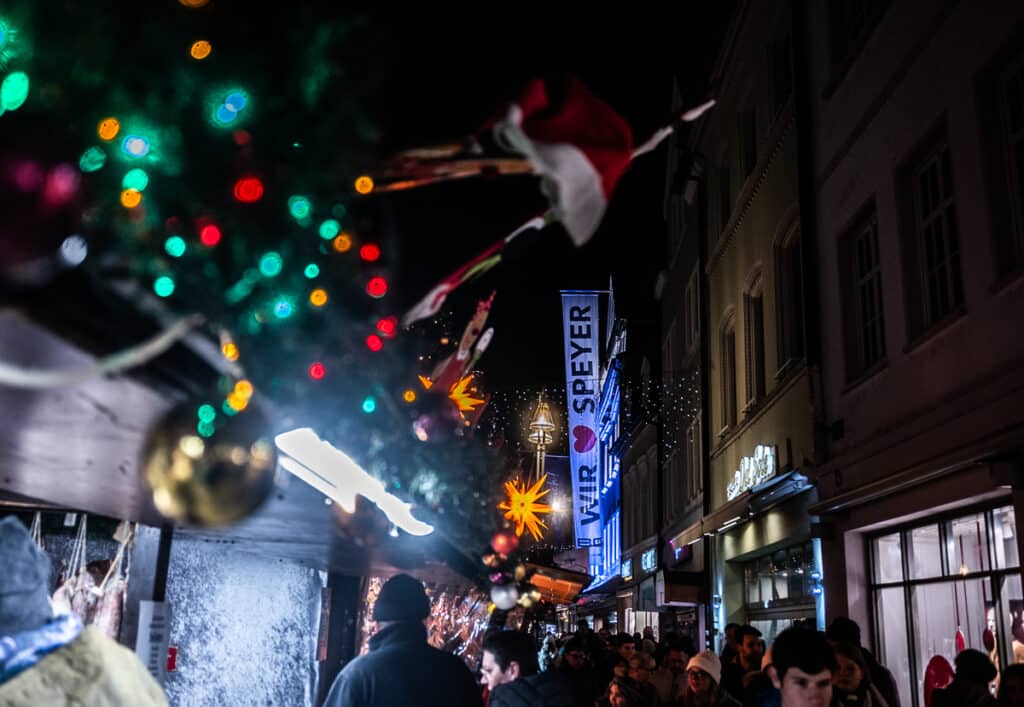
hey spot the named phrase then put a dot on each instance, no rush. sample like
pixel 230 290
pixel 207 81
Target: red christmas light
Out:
pixel 241 137
pixel 369 252
pixel 387 326
pixel 317 371
pixel 374 342
pixel 377 287
pixel 209 235
pixel 248 189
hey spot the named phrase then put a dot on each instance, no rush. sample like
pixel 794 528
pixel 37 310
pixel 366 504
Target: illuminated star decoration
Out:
pixel 523 506
pixel 462 395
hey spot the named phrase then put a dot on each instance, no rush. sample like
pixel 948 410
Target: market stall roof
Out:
pixel 77 448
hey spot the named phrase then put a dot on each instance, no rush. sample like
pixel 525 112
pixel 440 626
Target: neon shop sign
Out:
pixel 753 471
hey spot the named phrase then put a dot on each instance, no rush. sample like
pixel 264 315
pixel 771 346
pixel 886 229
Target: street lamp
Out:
pixel 542 429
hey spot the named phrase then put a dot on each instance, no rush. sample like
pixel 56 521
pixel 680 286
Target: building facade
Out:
pixel 918 143
pixel 760 406
pixel 681 585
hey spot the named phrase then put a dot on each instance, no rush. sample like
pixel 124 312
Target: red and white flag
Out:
pixel 578 145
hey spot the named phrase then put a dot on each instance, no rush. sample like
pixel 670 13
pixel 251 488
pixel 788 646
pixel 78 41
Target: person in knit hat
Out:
pixel 401 667
pixel 703 673
pixel 52 660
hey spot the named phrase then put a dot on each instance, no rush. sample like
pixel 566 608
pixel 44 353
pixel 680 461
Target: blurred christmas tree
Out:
pixel 204 158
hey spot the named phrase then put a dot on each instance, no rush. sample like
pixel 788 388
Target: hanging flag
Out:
pixel 431 304
pixel 577 144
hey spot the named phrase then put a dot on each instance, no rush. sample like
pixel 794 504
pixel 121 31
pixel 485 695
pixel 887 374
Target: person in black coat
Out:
pixel 844 630
pixel 401 667
pixel 579 673
pixel 509 667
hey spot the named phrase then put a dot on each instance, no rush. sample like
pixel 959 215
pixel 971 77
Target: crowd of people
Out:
pixel 802 667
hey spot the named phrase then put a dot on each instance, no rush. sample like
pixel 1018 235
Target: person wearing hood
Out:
pixel 52 660
pixel 401 667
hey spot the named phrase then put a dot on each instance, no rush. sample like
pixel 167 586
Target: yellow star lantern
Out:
pixel 462 395
pixel 524 508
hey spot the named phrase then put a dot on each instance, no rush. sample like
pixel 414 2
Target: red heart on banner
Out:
pixel 585 438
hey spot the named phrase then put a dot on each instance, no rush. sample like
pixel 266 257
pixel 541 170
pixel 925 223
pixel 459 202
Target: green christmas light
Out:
pixel 206 413
pixel 205 429
pixel 227 409
pixel 283 308
pixel 311 271
pixel 164 286
pixel 329 229
pixel 175 246
pixel 300 207
pixel 271 264
pixel 369 405
pixel 92 160
pixel 14 90
pixel 136 179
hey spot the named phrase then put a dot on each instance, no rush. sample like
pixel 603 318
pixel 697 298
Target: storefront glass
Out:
pixel 962 590
pixel 778 589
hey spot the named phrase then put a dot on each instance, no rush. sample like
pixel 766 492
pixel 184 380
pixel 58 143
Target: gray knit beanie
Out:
pixel 24 580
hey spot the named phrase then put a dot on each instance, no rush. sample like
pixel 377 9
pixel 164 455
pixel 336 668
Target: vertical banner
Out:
pixel 580 322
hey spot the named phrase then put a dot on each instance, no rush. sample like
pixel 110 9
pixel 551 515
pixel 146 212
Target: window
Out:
pixel 673 484
pixel 932 246
pixel 952 579
pixel 861 279
pixel 748 139
pixel 753 321
pixel 783 73
pixel 691 314
pixel 676 224
pixel 668 361
pixel 850 24
pixel 695 479
pixel 728 366
pixel 789 282
pixel 724 197
pixel 1011 99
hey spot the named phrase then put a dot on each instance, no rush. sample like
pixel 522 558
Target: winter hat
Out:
pixel 402 598
pixel 24 581
pixel 709 663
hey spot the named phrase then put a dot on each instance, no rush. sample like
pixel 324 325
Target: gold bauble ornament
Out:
pixel 213 480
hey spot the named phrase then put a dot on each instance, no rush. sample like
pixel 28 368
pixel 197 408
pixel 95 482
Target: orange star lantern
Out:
pixel 462 395
pixel 524 508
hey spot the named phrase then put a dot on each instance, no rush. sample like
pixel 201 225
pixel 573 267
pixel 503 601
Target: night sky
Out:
pixel 455 70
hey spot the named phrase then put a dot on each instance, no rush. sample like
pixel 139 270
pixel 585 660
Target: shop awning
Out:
pixel 688 536
pixel 557 585
pixel 750 502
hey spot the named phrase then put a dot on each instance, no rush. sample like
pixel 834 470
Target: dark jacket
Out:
pixel 882 679
pixel 962 694
pixel 540 690
pixel 582 683
pixel 401 669
pixel 733 675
